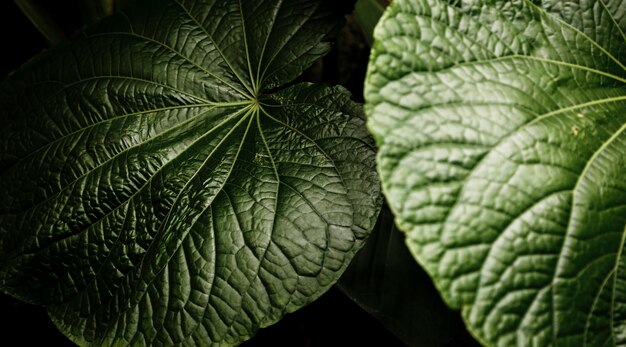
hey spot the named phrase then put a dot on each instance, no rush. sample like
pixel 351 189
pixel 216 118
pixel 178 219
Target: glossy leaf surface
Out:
pixel 158 184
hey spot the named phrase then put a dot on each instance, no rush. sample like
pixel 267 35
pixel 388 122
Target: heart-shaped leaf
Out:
pixel 159 187
pixel 502 133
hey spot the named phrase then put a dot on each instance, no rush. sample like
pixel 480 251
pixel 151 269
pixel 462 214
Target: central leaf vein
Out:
pixel 255 86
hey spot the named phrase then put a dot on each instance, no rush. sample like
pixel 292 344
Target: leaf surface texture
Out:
pixel 159 184
pixel 502 134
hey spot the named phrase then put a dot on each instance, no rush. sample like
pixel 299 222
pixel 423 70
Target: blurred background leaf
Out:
pixel 367 14
pixel 42 20
pixel 386 281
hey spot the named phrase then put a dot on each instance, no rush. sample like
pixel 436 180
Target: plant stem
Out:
pixel 42 21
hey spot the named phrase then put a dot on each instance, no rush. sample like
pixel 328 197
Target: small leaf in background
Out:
pixel 160 185
pixel 41 20
pixel 502 135
pixel 384 279
pixel 367 13
pixel 94 10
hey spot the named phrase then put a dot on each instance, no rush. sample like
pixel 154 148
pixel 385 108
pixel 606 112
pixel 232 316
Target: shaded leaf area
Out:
pixel 502 134
pixel 384 279
pixel 159 187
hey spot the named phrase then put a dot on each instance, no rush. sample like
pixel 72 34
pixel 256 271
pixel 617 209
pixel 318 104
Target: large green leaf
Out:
pixel 502 133
pixel 158 187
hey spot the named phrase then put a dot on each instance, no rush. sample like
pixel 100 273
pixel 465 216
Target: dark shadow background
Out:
pixel 333 320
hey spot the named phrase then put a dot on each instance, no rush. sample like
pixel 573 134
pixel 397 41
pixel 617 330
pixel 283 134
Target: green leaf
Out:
pixel 384 280
pixel 502 134
pixel 367 14
pixel 159 185
pixel 51 32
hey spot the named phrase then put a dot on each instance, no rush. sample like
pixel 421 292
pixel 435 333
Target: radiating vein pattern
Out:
pixel 502 134
pixel 152 191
